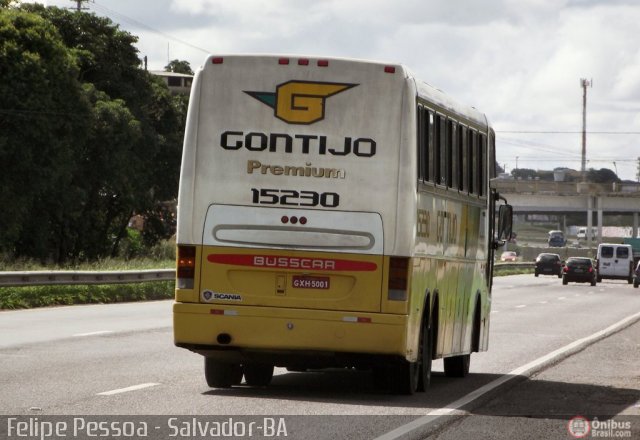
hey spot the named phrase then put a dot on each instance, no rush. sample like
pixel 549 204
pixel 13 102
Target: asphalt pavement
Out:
pixel 592 394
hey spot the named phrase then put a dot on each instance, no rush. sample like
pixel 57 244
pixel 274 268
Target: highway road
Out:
pixel 120 360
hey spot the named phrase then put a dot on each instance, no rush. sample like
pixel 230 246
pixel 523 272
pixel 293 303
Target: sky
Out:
pixel 519 61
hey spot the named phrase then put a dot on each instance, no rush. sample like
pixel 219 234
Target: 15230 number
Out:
pixel 289 197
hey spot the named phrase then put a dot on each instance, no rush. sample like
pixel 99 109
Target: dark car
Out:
pixel 636 276
pixel 548 264
pixel 579 270
pixel 556 239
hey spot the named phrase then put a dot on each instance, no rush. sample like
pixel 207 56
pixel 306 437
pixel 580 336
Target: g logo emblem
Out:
pixel 300 102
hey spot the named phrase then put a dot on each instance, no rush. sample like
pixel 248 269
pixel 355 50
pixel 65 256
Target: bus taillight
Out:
pixel 398 276
pixel 186 267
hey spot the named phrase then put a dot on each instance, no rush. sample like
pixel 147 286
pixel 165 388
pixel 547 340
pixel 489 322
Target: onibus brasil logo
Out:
pixel 300 102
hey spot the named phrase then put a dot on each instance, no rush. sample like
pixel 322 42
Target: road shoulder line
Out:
pixel 522 372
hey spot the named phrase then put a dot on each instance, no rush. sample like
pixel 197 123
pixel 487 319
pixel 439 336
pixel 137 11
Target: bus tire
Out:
pixel 258 375
pixel 457 366
pixel 397 378
pixel 221 374
pixel 426 354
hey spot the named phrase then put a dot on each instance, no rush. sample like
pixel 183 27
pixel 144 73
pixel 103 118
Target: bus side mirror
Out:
pixel 505 222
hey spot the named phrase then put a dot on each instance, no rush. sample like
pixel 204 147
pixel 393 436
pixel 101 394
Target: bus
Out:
pixel 333 213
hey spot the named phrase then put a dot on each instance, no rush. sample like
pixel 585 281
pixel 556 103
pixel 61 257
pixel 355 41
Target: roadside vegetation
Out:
pixel 159 256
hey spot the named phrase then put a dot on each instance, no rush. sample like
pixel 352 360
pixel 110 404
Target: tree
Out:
pixel 43 120
pixel 87 138
pixel 178 66
pixel 603 175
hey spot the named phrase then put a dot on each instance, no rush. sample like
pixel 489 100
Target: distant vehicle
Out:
pixel 636 276
pixel 615 261
pixel 582 233
pixel 579 270
pixel 548 264
pixel 556 239
pixel 509 256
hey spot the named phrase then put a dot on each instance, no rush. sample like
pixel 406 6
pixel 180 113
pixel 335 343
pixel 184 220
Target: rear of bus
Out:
pixel 288 212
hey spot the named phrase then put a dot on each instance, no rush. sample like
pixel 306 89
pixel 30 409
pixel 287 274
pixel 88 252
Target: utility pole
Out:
pixel 79 6
pixel 584 84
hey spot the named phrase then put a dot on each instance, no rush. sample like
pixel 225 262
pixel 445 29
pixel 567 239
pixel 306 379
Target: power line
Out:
pixel 566 132
pixel 135 22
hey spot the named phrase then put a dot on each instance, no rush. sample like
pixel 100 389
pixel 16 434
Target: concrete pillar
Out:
pixel 589 221
pixel 635 225
pixel 600 220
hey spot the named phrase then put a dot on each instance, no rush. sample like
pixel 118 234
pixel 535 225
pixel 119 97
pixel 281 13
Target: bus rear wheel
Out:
pixel 221 374
pixel 399 378
pixel 408 377
pixel 258 375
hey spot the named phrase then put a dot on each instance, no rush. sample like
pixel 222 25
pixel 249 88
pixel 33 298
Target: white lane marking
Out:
pixel 562 297
pixel 526 370
pixel 543 302
pixel 521 306
pixel 495 311
pixel 102 332
pixel 126 390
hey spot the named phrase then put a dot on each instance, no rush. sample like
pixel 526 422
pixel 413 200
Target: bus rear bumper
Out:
pixel 288 336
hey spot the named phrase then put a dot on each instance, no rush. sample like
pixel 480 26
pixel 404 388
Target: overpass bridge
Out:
pixel 545 197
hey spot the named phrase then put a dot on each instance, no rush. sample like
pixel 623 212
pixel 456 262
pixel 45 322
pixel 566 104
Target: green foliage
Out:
pixel 87 138
pixel 43 296
pixel 603 175
pixel 178 66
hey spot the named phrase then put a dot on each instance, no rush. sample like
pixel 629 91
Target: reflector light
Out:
pixel 303 62
pixel 217 60
pixel 398 278
pixel 398 273
pixel 284 219
pixel 186 267
pixel 303 220
pixel 283 61
pixel 294 220
pixel 359 319
pixel 323 63
pixel 223 312
pixel 389 69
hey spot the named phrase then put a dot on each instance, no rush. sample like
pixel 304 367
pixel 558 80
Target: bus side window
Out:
pixel 421 144
pixel 431 151
pixel 426 131
pixel 491 154
pixel 471 155
pixel 451 150
pixel 442 146
pixel 462 161
pixel 482 164
pixel 437 150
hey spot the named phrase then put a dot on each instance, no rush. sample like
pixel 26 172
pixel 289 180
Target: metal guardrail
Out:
pixel 70 278
pixel 520 265
pixel 63 277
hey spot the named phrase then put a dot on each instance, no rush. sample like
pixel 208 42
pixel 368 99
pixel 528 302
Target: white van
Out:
pixel 615 261
pixel 582 233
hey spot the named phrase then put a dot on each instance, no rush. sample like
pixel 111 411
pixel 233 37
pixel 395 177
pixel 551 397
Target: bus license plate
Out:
pixel 305 282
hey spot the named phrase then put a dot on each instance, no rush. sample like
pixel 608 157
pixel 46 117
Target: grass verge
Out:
pixel 44 296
